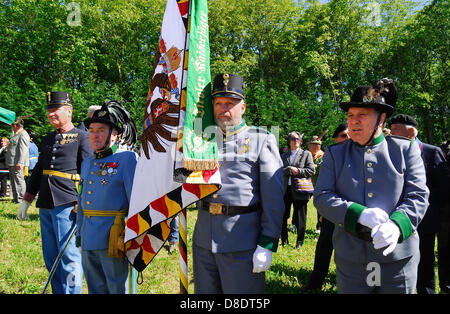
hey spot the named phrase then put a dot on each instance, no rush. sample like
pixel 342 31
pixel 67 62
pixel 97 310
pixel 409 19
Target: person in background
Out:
pixel 315 147
pixel 91 111
pixel 444 232
pixel 173 235
pixel 34 154
pixel 435 169
pixel 4 174
pixel 297 163
pixel 17 159
pixel 324 246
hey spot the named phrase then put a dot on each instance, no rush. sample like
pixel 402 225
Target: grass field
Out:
pixel 22 269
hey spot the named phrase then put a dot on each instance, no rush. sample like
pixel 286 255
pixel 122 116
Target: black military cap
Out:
pixel 404 119
pixel 228 85
pixel 106 115
pixel 116 115
pixel 382 96
pixel 58 99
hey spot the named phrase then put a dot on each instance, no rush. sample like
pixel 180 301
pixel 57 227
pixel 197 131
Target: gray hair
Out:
pixel 93 108
pixel 408 127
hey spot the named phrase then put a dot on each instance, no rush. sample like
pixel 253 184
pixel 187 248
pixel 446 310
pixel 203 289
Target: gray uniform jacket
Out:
pixel 390 175
pixel 251 172
pixel 18 150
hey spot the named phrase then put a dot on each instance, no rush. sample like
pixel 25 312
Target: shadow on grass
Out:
pixel 284 279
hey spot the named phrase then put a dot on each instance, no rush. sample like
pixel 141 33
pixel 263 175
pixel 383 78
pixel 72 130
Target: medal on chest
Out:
pixel 68 138
pixel 243 146
pixel 107 169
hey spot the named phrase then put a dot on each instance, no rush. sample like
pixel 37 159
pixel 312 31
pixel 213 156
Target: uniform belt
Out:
pixel 105 213
pixel 228 210
pixel 71 176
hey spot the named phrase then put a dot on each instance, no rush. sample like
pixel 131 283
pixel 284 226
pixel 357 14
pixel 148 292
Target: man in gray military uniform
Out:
pixel 239 226
pixel 374 190
pixel 17 159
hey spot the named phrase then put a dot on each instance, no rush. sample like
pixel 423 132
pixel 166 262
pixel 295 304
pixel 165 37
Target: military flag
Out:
pixel 178 161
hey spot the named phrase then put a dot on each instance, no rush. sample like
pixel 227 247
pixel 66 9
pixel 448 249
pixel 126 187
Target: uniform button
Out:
pixel 369 165
pixel 369 151
pixel 89 192
pixel 51 166
pixel 215 196
pixel 95 163
pixel 92 172
pixel 88 203
pixel 53 157
pixel 340 225
pixel 370 195
pixel 90 181
pixel 369 180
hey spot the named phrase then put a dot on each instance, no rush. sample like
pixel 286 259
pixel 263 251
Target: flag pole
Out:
pixel 182 242
pixel 183 252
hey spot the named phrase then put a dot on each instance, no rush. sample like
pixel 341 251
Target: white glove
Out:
pixel 370 217
pixel 262 258
pixel 22 212
pixel 386 234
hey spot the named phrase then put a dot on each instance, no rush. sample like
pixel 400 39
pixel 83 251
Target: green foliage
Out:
pixel 298 60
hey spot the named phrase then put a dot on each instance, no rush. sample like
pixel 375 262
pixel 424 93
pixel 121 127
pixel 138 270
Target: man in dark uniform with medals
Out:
pixel 55 177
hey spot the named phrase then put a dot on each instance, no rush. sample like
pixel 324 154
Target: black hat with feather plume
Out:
pixel 382 96
pixel 114 114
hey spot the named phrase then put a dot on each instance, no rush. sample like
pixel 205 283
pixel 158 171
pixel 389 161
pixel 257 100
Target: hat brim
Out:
pixel 88 121
pixel 388 109
pixel 57 105
pixel 228 94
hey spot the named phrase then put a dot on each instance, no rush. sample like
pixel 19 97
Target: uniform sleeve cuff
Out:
pixel 403 223
pixel 268 243
pixel 28 197
pixel 352 216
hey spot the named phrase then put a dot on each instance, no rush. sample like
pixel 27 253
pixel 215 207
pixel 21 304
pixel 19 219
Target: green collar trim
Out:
pixel 376 141
pixel 236 129
pixel 106 152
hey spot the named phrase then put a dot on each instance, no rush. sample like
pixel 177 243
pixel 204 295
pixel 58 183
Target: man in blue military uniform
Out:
pixel 104 196
pixel 239 226
pixel 55 177
pixel 374 190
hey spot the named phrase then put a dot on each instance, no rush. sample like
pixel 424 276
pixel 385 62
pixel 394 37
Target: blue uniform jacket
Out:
pixel 436 170
pixel 390 175
pixel 34 154
pixel 106 185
